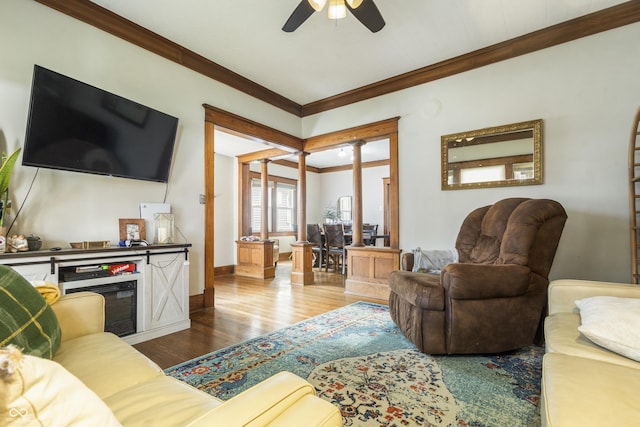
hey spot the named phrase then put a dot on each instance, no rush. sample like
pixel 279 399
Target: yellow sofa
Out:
pixel 138 393
pixel 585 384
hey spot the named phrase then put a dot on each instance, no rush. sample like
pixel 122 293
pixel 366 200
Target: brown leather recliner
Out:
pixel 494 298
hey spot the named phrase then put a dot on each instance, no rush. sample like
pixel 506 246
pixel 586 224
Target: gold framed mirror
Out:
pixel 498 156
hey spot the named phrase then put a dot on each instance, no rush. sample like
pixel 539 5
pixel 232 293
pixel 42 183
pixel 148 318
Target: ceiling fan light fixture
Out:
pixel 364 11
pixel 337 9
pixel 317 5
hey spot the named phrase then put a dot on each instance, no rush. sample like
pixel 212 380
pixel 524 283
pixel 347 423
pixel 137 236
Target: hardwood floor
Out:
pixel 246 308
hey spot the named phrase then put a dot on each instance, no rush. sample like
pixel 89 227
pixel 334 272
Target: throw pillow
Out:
pixel 612 323
pixel 26 319
pixel 41 392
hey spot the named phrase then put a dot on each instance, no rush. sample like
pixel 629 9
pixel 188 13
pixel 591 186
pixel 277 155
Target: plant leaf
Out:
pixel 6 169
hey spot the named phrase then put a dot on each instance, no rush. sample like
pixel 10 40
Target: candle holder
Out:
pixel 163 228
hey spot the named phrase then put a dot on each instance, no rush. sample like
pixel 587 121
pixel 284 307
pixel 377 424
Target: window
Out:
pixel 282 213
pixel 256 205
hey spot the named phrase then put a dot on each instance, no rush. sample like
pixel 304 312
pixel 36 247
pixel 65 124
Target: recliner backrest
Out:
pixel 519 231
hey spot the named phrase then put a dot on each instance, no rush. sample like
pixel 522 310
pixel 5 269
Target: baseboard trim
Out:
pixel 197 302
pixel 224 270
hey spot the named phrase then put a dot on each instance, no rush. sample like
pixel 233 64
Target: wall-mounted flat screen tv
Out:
pixel 78 127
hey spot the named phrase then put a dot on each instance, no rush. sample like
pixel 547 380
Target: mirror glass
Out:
pixel 344 208
pixel 493 157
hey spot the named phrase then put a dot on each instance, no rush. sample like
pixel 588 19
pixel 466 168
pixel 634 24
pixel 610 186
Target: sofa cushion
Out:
pixel 105 363
pixel 562 336
pixel 41 392
pixel 160 401
pixel 26 320
pixel 613 323
pixel 585 392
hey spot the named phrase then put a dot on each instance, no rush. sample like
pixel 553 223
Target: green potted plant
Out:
pixel 8 162
pixel 330 213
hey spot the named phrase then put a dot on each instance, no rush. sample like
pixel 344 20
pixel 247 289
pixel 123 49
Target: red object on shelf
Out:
pixel 122 268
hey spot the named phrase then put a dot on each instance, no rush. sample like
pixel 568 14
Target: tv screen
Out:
pixel 78 127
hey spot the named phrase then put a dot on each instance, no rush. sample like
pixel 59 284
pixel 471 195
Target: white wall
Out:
pixel 337 184
pixel 65 207
pixel 225 229
pixel 586 91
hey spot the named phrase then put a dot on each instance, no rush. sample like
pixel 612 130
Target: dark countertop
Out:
pixel 8 256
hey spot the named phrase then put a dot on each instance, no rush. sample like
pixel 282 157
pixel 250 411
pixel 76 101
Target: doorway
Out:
pixel 285 144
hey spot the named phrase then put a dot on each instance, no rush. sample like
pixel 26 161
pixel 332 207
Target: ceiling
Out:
pixel 233 145
pixel 323 58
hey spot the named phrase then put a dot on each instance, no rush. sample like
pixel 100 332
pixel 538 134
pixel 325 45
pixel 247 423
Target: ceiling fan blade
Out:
pixel 299 15
pixel 369 15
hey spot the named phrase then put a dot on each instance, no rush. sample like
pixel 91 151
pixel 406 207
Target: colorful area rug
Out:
pixel 358 359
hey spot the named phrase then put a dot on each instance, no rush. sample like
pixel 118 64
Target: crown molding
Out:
pixel 99 17
pixel 114 24
pixel 587 25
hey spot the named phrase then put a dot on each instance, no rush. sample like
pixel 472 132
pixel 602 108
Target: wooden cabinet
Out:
pixel 42 271
pixel 255 259
pixel 161 279
pixel 165 293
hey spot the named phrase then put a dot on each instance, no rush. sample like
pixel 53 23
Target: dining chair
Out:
pixel 348 233
pixel 369 232
pixel 314 236
pixel 335 244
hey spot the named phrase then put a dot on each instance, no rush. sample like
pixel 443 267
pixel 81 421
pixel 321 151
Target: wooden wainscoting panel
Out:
pixel 359 265
pixel 368 270
pixel 383 267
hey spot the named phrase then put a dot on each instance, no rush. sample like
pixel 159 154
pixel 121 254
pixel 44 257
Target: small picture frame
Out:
pixel 132 229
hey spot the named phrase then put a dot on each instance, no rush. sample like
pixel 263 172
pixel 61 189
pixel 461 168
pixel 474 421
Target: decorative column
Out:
pixel 301 252
pixel 264 227
pixel 357 195
pixel 255 258
pixel 368 267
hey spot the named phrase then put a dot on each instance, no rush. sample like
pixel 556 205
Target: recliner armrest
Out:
pixel 269 403
pixel 80 313
pixel 483 281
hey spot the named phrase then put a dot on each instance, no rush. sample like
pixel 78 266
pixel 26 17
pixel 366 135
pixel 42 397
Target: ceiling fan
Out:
pixel 364 10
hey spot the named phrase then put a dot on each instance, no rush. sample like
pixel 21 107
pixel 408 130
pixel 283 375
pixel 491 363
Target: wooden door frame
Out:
pixel 231 123
pixel 217 118
pixel 369 132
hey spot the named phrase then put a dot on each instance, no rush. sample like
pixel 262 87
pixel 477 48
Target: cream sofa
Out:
pixel 584 384
pixel 138 393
